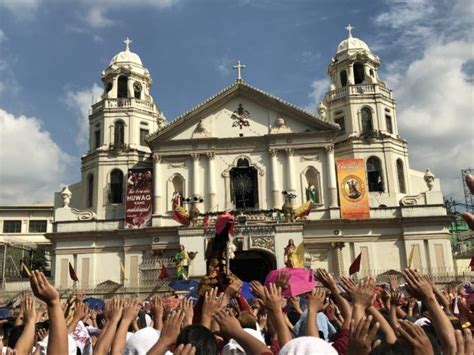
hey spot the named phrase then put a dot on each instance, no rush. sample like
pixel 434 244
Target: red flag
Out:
pixel 72 273
pixel 225 220
pixel 355 266
pixel 206 221
pixel 472 264
pixel 164 274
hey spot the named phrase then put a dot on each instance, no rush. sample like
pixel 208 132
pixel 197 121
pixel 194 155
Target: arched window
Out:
pixel 359 75
pixel 118 133
pixel 366 119
pixel 343 77
pixel 312 188
pixel 116 186
pixel 90 190
pixel 122 88
pixel 401 177
pixel 244 185
pixel 374 174
pixel 178 189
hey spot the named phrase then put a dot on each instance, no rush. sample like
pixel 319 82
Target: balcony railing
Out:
pixel 364 89
pixel 123 103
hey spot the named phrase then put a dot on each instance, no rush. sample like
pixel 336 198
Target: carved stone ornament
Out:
pixel 177 165
pixel 322 111
pixel 309 157
pixel 85 215
pixel 156 158
pixel 66 194
pixel 412 200
pixel 201 131
pixel 265 243
pixel 329 148
pixel 280 126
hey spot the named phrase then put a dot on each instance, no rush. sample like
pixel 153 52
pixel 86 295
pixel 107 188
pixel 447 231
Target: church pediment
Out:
pixel 241 110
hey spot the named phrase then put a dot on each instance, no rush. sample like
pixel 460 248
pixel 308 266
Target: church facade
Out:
pixel 250 152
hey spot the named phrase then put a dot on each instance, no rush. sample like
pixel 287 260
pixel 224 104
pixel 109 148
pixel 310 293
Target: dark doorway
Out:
pixel 244 185
pixel 252 265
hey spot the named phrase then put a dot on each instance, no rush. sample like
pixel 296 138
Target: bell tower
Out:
pixel 118 124
pixel 363 106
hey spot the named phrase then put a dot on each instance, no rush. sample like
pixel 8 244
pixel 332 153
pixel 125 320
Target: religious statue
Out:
pixel 66 194
pixel 194 211
pixel 429 179
pixel 180 214
pixel 287 207
pixel 322 111
pixel 312 194
pixel 182 260
pixel 290 254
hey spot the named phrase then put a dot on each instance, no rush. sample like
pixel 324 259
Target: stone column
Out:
pixel 332 183
pixel 339 257
pixel 227 197
pixel 275 179
pixel 291 170
pixel 157 191
pixel 196 189
pixel 212 182
pixel 350 74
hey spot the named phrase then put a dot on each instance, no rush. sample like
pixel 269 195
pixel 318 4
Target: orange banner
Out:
pixel 353 194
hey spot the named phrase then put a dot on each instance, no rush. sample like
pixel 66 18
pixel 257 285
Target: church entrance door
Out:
pixel 252 265
pixel 244 185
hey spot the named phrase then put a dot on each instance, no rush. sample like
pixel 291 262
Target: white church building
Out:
pixel 240 150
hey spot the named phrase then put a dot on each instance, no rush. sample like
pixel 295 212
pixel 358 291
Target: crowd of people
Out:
pixel 408 315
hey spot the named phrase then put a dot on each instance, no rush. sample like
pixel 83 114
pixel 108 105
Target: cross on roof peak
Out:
pixel 127 43
pixel 349 29
pixel 239 68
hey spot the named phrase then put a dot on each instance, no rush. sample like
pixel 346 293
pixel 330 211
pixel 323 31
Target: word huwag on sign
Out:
pixel 138 201
pixel 353 194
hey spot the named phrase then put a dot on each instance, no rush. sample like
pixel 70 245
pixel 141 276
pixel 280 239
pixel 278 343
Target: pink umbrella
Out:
pixel 299 281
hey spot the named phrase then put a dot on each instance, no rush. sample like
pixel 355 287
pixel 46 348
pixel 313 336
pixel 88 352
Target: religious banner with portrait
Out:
pixel 138 201
pixel 353 193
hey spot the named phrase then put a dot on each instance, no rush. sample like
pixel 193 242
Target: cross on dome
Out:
pixel 239 68
pixel 349 29
pixel 127 43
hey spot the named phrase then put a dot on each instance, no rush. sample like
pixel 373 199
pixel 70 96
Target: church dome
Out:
pixel 351 43
pixel 126 56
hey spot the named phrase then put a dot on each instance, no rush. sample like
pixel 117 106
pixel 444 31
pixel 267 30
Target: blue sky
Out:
pixel 52 54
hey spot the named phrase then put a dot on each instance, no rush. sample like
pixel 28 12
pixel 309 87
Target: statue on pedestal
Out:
pixel 182 260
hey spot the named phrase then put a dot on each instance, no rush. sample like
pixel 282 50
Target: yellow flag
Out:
pixel 410 257
pixel 23 265
pixel 298 260
pixel 122 268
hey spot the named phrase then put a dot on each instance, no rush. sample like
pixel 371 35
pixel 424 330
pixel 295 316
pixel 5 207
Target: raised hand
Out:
pixel 81 311
pixel 362 336
pixel 186 306
pixel 187 349
pixel 212 302
pixel 228 323
pixel 316 300
pixel 29 310
pixel 257 290
pixel 282 280
pixel 41 334
pixel 233 290
pixel 364 293
pixel 116 308
pixel 157 309
pixel 348 285
pixel 273 298
pixel 418 286
pixel 295 304
pixel 130 310
pixel 172 327
pixel 326 279
pixel 42 289
pixel 415 337
pixel 394 284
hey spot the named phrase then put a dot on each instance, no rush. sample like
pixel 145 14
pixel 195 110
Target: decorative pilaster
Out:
pixel 227 197
pixel 275 179
pixel 339 258
pixel 157 191
pixel 212 182
pixel 291 170
pixel 196 189
pixel 350 74
pixel 331 167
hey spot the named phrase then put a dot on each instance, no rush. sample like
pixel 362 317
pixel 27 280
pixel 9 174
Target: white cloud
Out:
pixel 32 166
pixel 8 82
pixel 434 94
pixel 23 9
pixel 81 101
pixel 318 89
pixel 96 13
